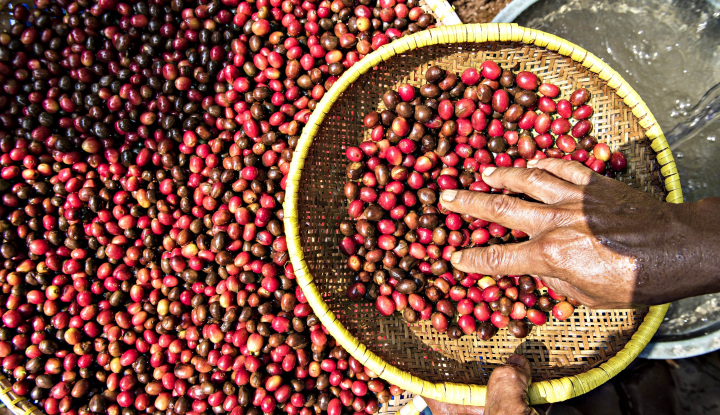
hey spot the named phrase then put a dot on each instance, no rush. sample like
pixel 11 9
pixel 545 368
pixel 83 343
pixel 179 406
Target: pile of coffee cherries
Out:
pixel 441 136
pixel 144 148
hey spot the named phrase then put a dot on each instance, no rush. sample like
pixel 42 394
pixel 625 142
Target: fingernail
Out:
pixel 488 171
pixel 516 360
pixel 448 195
pixel 456 257
pixel 532 163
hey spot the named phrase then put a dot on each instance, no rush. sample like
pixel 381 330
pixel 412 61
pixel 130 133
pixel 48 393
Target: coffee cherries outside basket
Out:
pixel 442 135
pixel 144 153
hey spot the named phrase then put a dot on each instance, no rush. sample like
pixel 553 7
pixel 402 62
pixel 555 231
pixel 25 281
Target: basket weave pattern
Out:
pixel 558 351
pixel 15 403
pixel 555 350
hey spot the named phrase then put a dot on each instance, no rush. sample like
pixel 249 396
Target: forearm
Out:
pixel 697 248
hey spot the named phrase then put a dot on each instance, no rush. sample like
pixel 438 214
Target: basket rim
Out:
pixel 12 401
pixel 554 390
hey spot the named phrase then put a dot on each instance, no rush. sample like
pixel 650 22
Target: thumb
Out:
pixel 507 388
pixel 507 259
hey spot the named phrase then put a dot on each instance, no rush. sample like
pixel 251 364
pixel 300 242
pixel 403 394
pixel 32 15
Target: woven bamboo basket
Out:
pixel 15 403
pixel 568 358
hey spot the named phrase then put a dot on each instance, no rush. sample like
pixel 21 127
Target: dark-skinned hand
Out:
pixel 506 393
pixel 592 238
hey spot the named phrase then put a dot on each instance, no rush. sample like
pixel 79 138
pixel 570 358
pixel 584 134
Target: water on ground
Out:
pixel 669 52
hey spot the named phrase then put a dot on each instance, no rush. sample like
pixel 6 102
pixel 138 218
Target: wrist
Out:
pixel 680 254
pixel 694 244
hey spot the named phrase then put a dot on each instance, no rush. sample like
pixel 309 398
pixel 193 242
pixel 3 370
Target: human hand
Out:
pixel 593 239
pixel 506 393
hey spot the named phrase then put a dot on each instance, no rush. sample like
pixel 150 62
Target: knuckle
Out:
pixel 561 216
pixel 583 177
pixel 492 257
pixel 549 251
pixel 555 217
pixel 535 176
pixel 503 205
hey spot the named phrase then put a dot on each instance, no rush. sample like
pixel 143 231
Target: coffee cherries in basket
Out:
pixel 442 135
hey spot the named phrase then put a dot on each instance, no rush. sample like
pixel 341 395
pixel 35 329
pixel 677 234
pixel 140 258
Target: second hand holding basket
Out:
pixel 568 358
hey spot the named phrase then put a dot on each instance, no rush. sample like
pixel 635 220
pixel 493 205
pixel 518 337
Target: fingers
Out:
pixel 536 183
pixel 508 259
pixel 572 171
pixel 508 211
pixel 506 393
pixel 507 388
pixel 440 408
pixel 559 286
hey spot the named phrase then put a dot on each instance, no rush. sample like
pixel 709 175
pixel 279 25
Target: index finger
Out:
pixel 536 183
pixel 569 170
pixel 508 211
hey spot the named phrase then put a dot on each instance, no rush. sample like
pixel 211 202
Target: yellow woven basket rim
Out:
pixel 555 390
pixel 12 401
